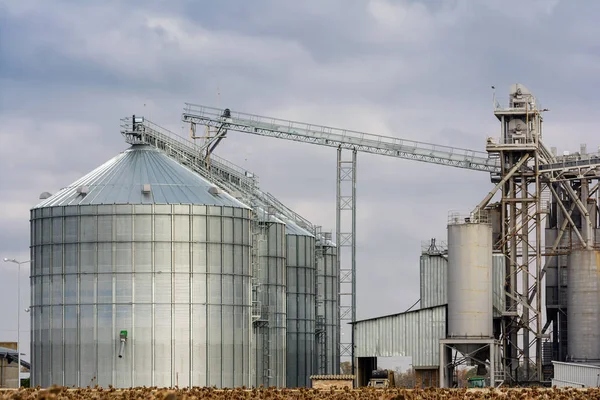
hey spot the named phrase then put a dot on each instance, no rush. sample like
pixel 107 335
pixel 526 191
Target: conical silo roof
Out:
pixel 291 228
pixel 141 175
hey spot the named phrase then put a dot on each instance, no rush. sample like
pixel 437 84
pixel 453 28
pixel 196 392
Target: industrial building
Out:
pixel 497 324
pixel 169 266
pixel 9 361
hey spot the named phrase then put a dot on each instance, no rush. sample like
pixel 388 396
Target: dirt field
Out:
pixel 273 394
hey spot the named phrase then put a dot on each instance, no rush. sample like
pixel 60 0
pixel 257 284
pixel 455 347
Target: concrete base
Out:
pixel 491 361
pixel 426 378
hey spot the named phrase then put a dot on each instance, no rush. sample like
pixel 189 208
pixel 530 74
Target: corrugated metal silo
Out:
pixel 143 247
pixel 270 328
pixel 328 278
pixel 301 287
pixel 470 291
pixel 433 271
pixel 583 298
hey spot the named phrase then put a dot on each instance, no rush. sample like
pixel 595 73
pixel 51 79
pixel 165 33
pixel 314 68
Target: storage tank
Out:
pixel 470 290
pixel 583 298
pixel 144 250
pixel 328 279
pixel 301 287
pixel 270 328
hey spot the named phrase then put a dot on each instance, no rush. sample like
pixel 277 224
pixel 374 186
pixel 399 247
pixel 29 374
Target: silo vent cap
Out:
pixel 146 188
pixel 214 190
pixel 83 190
pixel 44 195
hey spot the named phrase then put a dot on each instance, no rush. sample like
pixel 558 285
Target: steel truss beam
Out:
pixel 338 138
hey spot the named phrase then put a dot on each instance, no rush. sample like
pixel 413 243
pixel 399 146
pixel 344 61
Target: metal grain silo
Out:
pixel 583 298
pixel 328 279
pixel 141 277
pixel 470 289
pixel 301 287
pixel 270 324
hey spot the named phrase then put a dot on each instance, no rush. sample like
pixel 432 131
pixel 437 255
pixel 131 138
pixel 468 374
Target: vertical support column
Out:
pixel 346 243
pixel 442 378
pixel 511 250
pixel 493 364
pixel 538 269
pixel 525 247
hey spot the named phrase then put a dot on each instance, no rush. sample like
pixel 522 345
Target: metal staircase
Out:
pixel 237 181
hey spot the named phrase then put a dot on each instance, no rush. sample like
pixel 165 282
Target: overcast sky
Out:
pixel 418 70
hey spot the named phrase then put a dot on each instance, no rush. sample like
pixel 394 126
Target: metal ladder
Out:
pixel 499 378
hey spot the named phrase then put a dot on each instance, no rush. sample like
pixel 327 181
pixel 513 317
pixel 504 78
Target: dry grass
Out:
pixel 274 394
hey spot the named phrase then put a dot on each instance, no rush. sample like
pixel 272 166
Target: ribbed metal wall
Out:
pixel 434 275
pixel 300 266
pixel 176 277
pixel 413 334
pixel 556 286
pixel 328 278
pixel 498 280
pixel 576 375
pixel 272 296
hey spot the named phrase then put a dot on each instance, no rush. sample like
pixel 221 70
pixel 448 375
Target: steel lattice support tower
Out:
pixel 518 151
pixel 346 250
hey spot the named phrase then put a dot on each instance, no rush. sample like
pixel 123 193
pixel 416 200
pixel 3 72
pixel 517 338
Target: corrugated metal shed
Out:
pixel 413 334
pixel 575 375
pixel 434 269
pixel 140 175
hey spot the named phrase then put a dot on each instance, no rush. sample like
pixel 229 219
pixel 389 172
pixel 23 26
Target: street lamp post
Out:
pixel 19 263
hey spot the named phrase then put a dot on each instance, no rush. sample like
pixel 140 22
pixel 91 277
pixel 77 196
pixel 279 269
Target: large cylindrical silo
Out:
pixel 301 287
pixel 270 329
pixel 328 278
pixel 583 299
pixel 470 290
pixel 141 251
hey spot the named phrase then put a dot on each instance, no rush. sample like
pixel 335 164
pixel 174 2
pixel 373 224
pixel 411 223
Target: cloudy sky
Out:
pixel 418 70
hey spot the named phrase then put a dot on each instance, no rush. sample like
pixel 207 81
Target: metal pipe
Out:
pixel 564 210
pixel 123 338
pixel 538 267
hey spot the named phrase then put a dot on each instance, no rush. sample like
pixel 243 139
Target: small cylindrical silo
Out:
pixel 328 278
pixel 470 290
pixel 141 277
pixel 301 287
pixel 583 299
pixel 270 328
